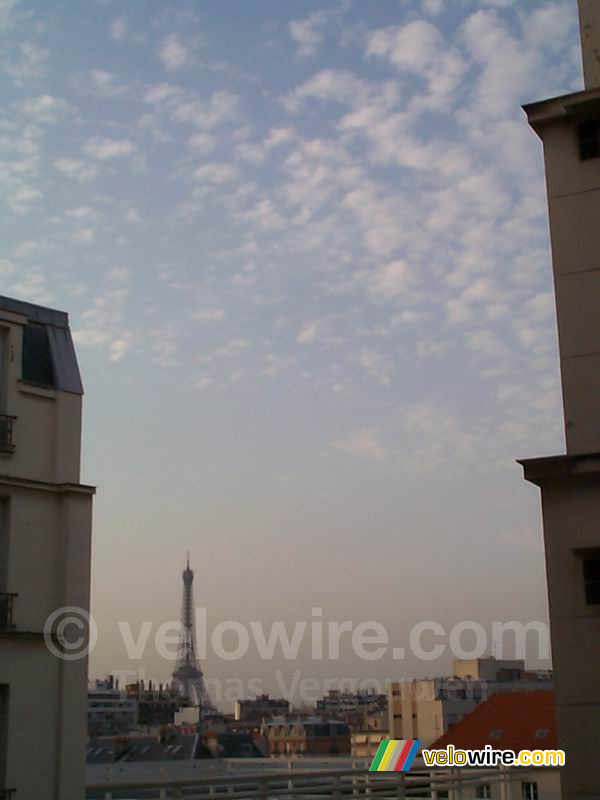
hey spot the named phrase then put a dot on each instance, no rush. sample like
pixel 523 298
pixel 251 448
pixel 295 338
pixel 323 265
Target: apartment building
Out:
pixel 569 127
pixel 361 710
pixel 157 703
pixel 110 711
pixel 304 737
pixel 425 709
pixel 257 709
pixel 45 533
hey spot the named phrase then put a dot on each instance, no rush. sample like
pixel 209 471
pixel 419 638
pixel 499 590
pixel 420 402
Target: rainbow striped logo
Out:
pixel 395 755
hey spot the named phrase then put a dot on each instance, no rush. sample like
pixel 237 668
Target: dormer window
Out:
pixel 591 578
pixel 589 139
pixel 37 361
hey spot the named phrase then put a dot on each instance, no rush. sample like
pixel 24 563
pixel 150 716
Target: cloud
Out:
pixel 7 10
pixel 119 28
pixel 433 7
pixel 257 152
pixel 104 148
pixel 411 47
pixel 6 268
pixel 100 326
pixel 44 108
pixel 378 365
pixel 209 315
pixel 365 443
pixel 390 280
pixel 133 215
pixel 336 85
pixel 105 83
pixel 307 34
pixel 508 69
pixel 419 48
pixel 173 104
pixel 309 333
pixel 174 54
pixel 75 168
pixel 28 64
pixel 216 173
pixel 83 235
pixel 120 274
pixel 19 196
pixel 32 286
pixel 202 143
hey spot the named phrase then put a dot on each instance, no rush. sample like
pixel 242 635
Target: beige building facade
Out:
pixel 427 708
pixel 569 128
pixel 45 541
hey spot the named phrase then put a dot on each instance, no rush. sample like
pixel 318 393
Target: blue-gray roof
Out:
pixel 63 361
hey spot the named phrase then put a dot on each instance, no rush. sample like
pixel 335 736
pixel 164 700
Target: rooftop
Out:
pixel 508 721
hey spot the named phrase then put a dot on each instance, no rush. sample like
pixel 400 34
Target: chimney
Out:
pixel 589 24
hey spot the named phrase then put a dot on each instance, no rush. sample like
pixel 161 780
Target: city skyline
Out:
pixel 312 303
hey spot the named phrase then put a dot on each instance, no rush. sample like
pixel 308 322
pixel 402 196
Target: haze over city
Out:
pixel 305 254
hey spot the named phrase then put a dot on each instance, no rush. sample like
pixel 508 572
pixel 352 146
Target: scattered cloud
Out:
pixel 75 168
pixel 366 443
pixel 26 64
pixel 307 33
pixel 391 191
pixel 104 148
pixel 309 333
pixel 391 280
pixel 44 108
pixel 174 54
pixel 119 29
pixel 216 173
pixel 209 315
pixel 105 83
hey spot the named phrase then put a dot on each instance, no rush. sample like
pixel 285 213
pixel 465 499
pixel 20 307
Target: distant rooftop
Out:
pixel 507 721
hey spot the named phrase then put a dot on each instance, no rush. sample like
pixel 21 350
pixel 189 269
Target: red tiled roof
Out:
pixel 507 721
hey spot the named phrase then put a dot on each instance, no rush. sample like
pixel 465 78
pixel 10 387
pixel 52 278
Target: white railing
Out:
pixel 306 783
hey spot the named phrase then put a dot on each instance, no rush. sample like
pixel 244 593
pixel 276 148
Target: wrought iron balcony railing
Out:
pixel 6 624
pixel 6 439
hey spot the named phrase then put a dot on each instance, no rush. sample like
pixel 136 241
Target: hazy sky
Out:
pixel 304 249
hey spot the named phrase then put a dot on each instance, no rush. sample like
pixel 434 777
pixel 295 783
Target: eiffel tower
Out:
pixel 188 679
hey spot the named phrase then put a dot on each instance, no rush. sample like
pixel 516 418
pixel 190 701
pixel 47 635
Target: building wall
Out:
pixel 573 187
pixel 547 780
pixel 571 512
pixel 571 484
pixel 45 542
pixel 365 744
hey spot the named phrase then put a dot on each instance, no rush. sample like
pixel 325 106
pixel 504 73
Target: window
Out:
pixel 589 140
pixel 37 363
pixel 496 733
pixel 542 733
pixel 483 791
pixel 529 791
pixel 591 579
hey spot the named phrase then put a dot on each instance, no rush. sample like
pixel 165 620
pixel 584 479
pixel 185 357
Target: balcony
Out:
pixel 7 794
pixel 6 440
pixel 6 622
